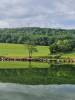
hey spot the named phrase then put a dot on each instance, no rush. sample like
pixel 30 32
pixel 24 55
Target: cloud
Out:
pixel 38 13
pixel 4 24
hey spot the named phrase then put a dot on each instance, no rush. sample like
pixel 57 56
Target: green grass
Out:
pixel 19 50
pixel 69 55
pixel 17 64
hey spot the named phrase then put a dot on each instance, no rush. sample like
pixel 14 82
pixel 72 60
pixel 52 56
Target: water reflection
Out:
pixel 41 92
pixel 53 74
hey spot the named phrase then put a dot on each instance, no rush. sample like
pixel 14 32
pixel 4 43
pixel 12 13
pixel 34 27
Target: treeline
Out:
pixel 59 39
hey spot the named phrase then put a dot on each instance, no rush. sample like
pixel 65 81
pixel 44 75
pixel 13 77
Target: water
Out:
pixel 37 92
pixel 54 74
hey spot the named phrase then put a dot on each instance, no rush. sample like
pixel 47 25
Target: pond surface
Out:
pixel 54 74
pixel 37 92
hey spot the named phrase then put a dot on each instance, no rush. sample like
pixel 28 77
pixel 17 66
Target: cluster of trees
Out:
pixel 62 46
pixel 60 40
pixel 43 36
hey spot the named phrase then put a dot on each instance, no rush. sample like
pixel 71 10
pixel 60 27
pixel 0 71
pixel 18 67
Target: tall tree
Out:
pixel 31 47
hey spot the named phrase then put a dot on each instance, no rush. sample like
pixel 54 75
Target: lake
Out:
pixel 53 74
pixel 55 82
pixel 37 92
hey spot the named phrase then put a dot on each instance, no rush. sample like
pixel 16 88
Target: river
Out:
pixel 10 91
pixel 46 78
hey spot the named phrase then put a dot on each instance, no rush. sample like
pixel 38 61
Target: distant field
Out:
pixel 19 50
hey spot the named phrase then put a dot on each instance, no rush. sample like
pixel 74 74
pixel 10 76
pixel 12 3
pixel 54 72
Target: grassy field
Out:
pixel 69 55
pixel 19 50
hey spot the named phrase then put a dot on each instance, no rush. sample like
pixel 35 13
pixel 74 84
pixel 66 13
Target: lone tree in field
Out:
pixel 31 47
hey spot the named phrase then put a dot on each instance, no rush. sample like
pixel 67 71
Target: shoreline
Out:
pixel 38 59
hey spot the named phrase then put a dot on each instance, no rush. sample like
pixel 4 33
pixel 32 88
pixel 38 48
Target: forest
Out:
pixel 59 40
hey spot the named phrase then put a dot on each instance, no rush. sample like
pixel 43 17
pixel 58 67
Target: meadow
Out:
pixel 20 50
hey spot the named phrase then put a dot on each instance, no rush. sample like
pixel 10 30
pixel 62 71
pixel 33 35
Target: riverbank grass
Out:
pixel 20 50
pixel 16 64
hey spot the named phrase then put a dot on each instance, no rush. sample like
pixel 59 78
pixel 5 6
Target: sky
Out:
pixel 37 13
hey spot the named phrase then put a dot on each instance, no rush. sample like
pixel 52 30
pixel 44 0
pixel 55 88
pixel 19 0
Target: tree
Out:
pixel 31 47
pixel 53 48
pixel 62 46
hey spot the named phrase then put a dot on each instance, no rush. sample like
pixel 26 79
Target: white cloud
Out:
pixel 4 24
pixel 40 13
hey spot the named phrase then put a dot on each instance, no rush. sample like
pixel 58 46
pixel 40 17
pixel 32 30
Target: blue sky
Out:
pixel 37 13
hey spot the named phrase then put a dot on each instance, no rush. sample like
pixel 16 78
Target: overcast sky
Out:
pixel 37 13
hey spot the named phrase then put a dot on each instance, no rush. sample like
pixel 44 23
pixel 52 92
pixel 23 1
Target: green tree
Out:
pixel 31 47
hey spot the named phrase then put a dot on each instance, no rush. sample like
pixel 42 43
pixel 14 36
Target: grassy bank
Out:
pixel 22 65
pixel 19 50
pixel 69 55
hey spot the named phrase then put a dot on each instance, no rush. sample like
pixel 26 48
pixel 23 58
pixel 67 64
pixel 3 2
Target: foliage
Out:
pixel 62 46
pixel 30 47
pixel 60 40
pixel 43 36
